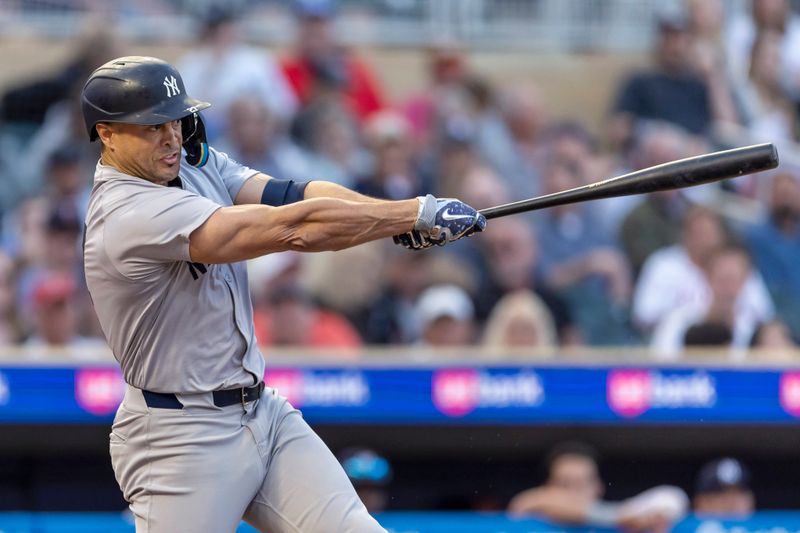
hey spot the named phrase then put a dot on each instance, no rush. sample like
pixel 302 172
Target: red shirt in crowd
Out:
pixel 363 94
pixel 329 330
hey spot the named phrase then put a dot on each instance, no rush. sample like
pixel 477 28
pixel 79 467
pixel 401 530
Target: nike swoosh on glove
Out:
pixel 448 220
pixel 440 221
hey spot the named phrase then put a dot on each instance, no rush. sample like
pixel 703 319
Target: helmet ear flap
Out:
pixel 194 140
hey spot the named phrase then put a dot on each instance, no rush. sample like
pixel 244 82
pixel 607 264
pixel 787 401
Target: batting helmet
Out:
pixel 144 90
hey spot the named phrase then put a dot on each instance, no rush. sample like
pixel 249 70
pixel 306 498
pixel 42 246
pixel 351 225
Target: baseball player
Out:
pixel 199 443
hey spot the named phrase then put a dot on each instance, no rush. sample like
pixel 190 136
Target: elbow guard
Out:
pixel 279 192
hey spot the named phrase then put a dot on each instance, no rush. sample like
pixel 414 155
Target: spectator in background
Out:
pixel 258 140
pixel 293 319
pixel 766 16
pixel 582 263
pixel 328 135
pixel 512 147
pixel 508 261
pixel 391 318
pixel 63 128
pixel 453 156
pixel 347 281
pixel 446 316
pixel 59 251
pixel 446 71
pixel 722 490
pixel 708 334
pixel 671 91
pixel 571 142
pixel 706 20
pixel 573 491
pixel 395 173
pixel 271 273
pixel 654 222
pixel 735 299
pixel 24 231
pixel 674 276
pixel 774 245
pixel 10 331
pixel 483 187
pixel 63 240
pixel 370 475
pixel 66 186
pixel 66 182
pixel 317 52
pixel 220 68
pixel 768 113
pixel 773 341
pixel 57 308
pixel 520 320
pixel 28 103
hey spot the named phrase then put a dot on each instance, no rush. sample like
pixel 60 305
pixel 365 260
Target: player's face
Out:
pixel 732 502
pixel 576 474
pixel 149 152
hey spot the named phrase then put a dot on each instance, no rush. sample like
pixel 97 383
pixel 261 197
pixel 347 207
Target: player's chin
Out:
pixel 168 172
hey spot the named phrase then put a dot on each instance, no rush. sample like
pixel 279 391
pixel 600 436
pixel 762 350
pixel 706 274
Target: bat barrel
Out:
pixel 688 172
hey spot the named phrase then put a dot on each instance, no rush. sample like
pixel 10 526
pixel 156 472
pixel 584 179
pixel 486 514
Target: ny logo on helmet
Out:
pixel 172 86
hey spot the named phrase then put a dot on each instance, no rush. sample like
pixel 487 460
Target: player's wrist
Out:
pixel 426 213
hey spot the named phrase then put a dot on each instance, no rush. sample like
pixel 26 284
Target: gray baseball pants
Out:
pixel 204 468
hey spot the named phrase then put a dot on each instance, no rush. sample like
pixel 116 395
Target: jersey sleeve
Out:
pixel 233 174
pixel 151 225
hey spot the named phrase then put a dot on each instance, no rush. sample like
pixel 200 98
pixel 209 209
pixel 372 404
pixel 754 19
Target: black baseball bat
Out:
pixel 687 172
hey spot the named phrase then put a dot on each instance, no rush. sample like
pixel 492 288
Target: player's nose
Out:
pixel 173 133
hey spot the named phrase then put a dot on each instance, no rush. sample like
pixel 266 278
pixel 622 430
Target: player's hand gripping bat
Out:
pixel 673 175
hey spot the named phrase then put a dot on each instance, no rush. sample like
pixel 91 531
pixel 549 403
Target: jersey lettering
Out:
pixel 196 267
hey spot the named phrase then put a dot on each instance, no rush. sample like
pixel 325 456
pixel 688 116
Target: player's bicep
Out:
pixel 237 233
pixel 252 189
pixel 205 241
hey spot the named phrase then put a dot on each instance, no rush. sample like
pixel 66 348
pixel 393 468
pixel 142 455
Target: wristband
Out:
pixel 279 192
pixel 426 215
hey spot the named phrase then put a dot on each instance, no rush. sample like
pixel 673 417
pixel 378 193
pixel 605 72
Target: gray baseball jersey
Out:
pixel 173 325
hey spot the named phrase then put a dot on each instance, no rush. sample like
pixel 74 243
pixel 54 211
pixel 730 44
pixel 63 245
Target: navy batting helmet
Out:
pixel 144 90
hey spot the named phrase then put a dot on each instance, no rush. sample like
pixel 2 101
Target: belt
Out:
pixel 222 398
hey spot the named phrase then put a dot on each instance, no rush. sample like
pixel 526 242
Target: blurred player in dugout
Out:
pixel 572 494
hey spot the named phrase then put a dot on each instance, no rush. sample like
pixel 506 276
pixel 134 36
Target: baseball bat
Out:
pixel 687 172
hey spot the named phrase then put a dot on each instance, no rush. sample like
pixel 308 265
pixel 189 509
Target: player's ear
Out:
pixel 105 133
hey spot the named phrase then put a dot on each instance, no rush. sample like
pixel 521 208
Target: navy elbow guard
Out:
pixel 279 192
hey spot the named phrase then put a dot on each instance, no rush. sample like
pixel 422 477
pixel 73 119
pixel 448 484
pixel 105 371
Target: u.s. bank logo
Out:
pixel 172 86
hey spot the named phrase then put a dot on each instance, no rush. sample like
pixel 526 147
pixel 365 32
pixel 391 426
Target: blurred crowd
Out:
pixel 713 266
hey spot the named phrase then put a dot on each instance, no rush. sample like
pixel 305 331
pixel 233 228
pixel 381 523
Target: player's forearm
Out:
pixel 334 224
pixel 321 224
pixel 551 504
pixel 327 189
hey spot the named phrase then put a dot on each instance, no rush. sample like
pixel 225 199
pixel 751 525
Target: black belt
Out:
pixel 222 398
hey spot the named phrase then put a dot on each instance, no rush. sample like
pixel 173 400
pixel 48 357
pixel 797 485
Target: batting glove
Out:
pixel 440 221
pixel 413 240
